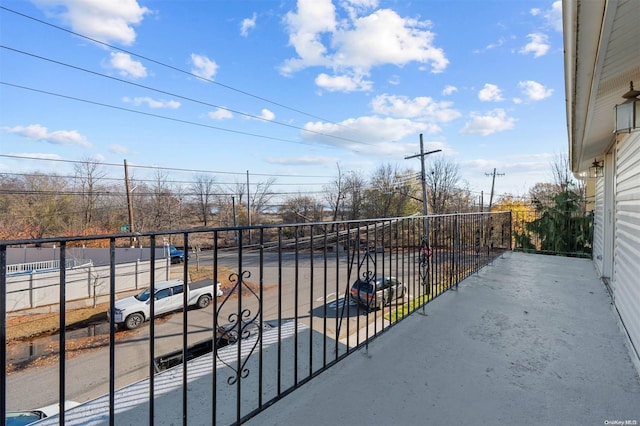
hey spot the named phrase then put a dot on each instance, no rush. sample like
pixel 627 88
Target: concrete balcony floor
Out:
pixel 530 339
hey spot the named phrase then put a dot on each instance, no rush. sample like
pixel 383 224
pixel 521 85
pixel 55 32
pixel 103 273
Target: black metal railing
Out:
pixel 289 311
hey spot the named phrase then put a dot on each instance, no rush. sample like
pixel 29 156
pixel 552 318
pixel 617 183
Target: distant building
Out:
pixel 602 57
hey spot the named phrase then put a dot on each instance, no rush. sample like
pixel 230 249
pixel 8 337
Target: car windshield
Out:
pixel 22 418
pixel 143 296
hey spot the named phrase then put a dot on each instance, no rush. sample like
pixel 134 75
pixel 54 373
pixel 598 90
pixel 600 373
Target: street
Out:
pixel 308 289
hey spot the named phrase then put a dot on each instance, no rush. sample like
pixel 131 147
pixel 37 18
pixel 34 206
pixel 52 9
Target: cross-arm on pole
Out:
pixel 423 176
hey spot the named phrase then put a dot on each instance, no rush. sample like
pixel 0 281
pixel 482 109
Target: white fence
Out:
pixel 37 289
pixel 45 265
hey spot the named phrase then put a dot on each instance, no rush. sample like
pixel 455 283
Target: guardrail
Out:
pixel 289 312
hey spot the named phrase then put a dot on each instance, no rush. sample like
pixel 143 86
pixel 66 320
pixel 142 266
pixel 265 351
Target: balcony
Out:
pixel 529 340
pixel 481 335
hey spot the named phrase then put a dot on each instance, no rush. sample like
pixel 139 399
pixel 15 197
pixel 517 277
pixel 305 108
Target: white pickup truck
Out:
pixel 134 310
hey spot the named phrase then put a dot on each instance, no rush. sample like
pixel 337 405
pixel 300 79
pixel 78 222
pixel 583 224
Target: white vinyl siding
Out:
pixel 598 227
pixel 626 283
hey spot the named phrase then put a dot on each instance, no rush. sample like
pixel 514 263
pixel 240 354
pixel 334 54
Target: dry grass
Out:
pixel 32 325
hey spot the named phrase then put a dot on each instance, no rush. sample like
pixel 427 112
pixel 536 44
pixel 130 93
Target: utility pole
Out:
pixel 235 222
pixel 493 183
pixel 248 207
pixel 335 211
pixel 129 202
pixel 424 186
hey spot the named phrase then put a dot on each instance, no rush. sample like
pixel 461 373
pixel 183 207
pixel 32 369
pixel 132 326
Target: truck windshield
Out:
pixel 143 296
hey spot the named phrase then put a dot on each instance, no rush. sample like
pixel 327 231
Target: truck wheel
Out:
pixel 133 321
pixel 203 301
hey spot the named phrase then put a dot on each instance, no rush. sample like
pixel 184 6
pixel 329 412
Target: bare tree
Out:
pixel 562 175
pixel 354 187
pixel 334 194
pixel 45 208
pixel 461 200
pixel 88 174
pixel 260 198
pixel 162 206
pixel 203 189
pixel 441 179
pixel 544 194
pixel 390 192
pixel 301 209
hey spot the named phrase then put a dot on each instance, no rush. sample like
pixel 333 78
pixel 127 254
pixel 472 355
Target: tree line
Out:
pixel 38 205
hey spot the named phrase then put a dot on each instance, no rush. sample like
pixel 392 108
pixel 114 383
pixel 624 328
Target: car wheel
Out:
pixel 203 301
pixel 133 321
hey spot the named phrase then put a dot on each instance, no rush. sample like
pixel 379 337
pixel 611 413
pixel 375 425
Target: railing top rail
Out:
pixel 121 235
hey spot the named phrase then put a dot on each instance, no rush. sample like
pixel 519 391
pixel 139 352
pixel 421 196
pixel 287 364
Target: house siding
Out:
pixel 598 227
pixel 626 284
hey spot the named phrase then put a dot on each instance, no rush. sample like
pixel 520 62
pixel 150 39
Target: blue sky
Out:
pixel 283 89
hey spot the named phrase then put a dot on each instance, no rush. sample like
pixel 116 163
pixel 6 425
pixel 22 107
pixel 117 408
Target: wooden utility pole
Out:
pixel 248 208
pixel 335 211
pixel 493 183
pixel 129 202
pixel 424 186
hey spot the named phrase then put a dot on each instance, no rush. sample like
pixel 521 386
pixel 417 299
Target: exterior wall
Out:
pixel 599 226
pixel 626 269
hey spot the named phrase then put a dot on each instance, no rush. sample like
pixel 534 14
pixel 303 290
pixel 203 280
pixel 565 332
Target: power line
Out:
pixel 25 157
pixel 119 179
pixel 178 120
pixel 169 66
pixel 177 95
pixel 105 193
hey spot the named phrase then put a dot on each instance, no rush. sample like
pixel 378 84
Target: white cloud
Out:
pixel 118 149
pixel 305 29
pixel 152 103
pixel 247 24
pixel 495 45
pixel 343 83
pixel 126 66
pixel 106 21
pixel 538 45
pixel 356 44
pixel 490 93
pixel 378 134
pixel 419 108
pixel 203 66
pixel 58 137
pixel 357 7
pixel 220 114
pixel 386 38
pixel 265 114
pixel 552 16
pixel 485 125
pixel 449 90
pixel 534 90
